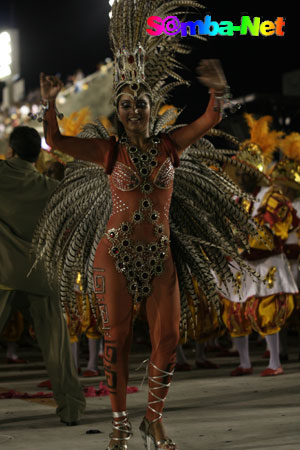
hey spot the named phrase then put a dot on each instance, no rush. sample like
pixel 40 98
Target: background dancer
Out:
pixel 263 306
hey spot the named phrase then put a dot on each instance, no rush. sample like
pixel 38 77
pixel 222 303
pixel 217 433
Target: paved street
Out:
pixel 206 409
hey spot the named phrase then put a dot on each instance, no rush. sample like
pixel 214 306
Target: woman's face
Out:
pixel 134 113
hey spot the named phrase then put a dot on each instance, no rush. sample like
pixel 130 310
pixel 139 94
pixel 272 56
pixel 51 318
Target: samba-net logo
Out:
pixel 172 26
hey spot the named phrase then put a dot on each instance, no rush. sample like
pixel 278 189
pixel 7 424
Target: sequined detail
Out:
pixel 270 277
pixel 124 178
pixel 118 204
pixel 165 175
pixel 166 210
pixel 238 283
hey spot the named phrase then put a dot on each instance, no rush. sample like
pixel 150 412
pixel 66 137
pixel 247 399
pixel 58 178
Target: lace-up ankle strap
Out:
pixel 122 425
pixel 158 380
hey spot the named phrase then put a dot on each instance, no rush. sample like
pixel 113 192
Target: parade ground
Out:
pixel 206 409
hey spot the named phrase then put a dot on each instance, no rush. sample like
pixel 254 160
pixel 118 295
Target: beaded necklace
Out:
pixel 144 162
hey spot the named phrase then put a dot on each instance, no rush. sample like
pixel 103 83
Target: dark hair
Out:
pixel 118 126
pixel 26 143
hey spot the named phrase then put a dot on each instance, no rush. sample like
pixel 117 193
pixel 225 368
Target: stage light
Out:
pixel 9 55
pixel 24 110
pixel 5 55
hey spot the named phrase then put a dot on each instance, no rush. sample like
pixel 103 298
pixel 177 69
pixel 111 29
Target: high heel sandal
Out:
pixel 123 426
pixel 164 444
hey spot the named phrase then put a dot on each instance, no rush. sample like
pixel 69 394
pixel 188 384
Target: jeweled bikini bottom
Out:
pixel 139 262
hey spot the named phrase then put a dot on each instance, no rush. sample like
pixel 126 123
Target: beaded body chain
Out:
pixel 140 262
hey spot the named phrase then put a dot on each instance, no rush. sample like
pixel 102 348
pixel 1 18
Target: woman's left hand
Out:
pixel 214 110
pixel 50 86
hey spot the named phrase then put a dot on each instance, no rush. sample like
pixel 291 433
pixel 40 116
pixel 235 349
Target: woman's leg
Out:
pixel 117 343
pixel 163 314
pixel 116 309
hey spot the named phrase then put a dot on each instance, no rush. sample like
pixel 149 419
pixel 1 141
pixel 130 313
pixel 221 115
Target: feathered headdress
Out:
pixel 141 59
pixel 262 139
pixel 287 171
pixel 290 146
pixel 257 151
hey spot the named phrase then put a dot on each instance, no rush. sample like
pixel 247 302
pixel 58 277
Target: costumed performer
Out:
pixel 263 306
pixel 285 173
pixel 116 208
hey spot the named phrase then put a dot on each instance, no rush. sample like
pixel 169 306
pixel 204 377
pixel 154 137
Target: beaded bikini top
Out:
pixel 125 178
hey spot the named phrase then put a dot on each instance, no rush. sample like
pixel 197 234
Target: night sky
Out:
pixel 62 36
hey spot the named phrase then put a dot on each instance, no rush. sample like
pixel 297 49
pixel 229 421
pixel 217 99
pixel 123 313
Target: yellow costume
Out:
pixel 85 323
pixel 264 306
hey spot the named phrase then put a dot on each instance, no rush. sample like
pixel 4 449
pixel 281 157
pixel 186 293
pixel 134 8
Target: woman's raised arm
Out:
pixel 187 135
pixel 88 149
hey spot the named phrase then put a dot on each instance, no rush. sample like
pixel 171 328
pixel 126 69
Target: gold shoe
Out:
pixel 165 444
pixel 123 426
pixel 159 381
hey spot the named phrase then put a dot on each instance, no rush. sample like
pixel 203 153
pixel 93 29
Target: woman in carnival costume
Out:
pixel 111 220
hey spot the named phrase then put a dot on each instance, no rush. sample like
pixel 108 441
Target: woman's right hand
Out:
pixel 50 86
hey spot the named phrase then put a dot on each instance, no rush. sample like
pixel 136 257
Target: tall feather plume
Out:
pixel 128 30
pixel 290 146
pixel 73 220
pixel 207 226
pixel 214 132
pixel 165 119
pixel 261 134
